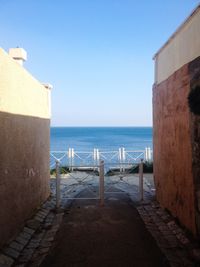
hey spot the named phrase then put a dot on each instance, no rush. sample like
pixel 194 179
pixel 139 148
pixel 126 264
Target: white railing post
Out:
pixel 98 158
pixel 72 159
pixel 69 158
pixel 123 159
pixel 95 155
pixel 120 159
pixel 57 184
pixel 149 154
pixel 101 183
pixel 141 189
pixel 98 155
pixel 94 158
pixel 146 154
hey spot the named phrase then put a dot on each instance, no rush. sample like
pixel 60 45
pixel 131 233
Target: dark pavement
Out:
pixel 113 235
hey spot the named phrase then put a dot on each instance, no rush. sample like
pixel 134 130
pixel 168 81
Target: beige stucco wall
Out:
pixel 16 82
pixel 24 146
pixel 183 47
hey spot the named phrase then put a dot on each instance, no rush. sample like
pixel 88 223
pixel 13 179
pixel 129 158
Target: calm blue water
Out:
pixel 103 138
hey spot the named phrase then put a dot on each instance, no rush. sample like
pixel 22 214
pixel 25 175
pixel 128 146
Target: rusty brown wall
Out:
pixel 24 170
pixel 173 147
pixel 194 72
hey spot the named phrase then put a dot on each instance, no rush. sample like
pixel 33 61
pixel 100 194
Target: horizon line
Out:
pixel 95 126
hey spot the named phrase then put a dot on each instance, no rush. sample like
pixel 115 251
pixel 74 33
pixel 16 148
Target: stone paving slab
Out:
pixel 11 252
pixel 32 244
pixel 6 261
pixel 172 240
pixel 17 246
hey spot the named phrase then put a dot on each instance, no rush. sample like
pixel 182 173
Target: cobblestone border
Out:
pixel 32 244
pixel 171 239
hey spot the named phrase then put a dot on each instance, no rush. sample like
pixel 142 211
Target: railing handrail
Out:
pixel 73 158
pixel 102 151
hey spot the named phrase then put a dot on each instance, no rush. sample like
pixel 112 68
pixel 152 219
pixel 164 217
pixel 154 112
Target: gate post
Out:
pixel 101 183
pixel 57 184
pixel 141 189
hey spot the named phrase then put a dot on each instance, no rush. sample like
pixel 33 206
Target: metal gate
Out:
pixel 123 178
pixel 79 183
pixel 97 181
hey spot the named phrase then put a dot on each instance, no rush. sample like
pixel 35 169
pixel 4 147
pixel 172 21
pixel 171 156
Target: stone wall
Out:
pixel 24 141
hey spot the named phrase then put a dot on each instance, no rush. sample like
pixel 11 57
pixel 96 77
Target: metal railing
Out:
pixel 72 158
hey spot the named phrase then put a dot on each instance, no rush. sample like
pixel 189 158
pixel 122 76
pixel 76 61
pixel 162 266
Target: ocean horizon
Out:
pixel 103 138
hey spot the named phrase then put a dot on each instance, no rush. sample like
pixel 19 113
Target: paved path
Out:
pixel 119 234
pixel 113 235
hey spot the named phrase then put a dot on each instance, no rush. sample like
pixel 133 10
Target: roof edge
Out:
pixel 195 10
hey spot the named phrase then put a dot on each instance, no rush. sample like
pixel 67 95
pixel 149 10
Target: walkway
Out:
pixel 113 235
pixel 121 233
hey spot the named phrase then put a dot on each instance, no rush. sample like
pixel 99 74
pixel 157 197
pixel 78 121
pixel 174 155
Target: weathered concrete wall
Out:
pixel 173 148
pixel 24 141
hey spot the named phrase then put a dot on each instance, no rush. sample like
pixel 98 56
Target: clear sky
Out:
pixel 97 54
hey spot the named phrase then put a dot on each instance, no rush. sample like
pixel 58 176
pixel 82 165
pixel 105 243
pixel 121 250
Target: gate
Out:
pixel 124 178
pixel 97 181
pixel 72 184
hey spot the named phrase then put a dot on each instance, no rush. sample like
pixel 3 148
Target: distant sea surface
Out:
pixel 103 138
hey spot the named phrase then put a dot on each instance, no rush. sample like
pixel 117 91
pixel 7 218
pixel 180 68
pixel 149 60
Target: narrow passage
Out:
pixel 109 236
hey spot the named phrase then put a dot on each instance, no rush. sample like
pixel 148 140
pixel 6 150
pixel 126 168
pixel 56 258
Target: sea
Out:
pixel 102 138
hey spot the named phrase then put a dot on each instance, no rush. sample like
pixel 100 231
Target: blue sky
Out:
pixel 97 54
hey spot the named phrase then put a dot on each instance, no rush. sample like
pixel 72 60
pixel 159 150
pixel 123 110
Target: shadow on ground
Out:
pixel 113 235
